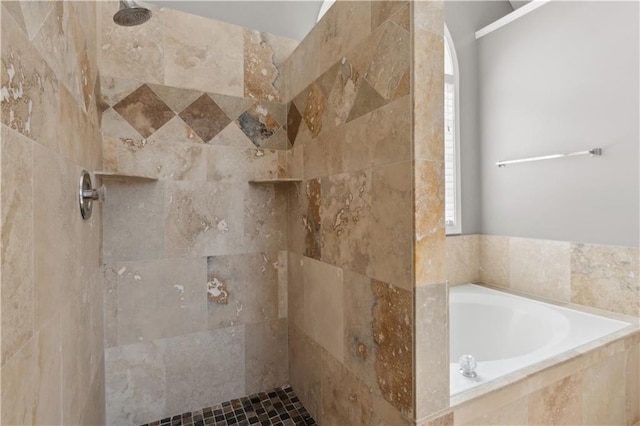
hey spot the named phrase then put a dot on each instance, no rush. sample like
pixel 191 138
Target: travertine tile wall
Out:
pixel 431 292
pixel 195 262
pixel 351 220
pixel 597 386
pixel 599 276
pixel 51 297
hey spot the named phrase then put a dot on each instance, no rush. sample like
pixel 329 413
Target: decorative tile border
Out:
pixel 150 107
pixel 279 406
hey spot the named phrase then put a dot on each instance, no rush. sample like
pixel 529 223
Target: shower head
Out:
pixel 131 14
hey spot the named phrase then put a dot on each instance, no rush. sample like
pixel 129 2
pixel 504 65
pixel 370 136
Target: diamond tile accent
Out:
pixel 233 106
pixel 280 406
pixel 205 117
pixel 258 124
pixel 144 110
pixel 367 100
pixel 293 122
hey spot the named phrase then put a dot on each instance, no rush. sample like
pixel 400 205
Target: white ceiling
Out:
pixel 292 19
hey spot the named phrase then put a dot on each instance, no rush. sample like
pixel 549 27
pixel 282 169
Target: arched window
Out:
pixel 452 212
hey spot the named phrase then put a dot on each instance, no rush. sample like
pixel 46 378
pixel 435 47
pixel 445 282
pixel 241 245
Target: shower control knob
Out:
pixel 468 365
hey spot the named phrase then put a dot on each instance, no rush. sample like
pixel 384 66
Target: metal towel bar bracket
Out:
pixel 591 152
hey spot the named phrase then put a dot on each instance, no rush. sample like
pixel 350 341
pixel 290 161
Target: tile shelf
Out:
pixel 274 180
pixel 123 176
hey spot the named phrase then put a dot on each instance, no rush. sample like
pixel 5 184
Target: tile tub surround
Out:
pixel 197 259
pixel 595 384
pixel 51 357
pixel 599 276
pixel 278 406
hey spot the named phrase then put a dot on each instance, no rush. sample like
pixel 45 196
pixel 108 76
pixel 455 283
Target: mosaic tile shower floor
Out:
pixel 279 406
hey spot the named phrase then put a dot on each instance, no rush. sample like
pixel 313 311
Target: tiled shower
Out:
pixel 238 246
pixel 270 245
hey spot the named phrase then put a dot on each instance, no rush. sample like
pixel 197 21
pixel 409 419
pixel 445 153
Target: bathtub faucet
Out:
pixel 468 364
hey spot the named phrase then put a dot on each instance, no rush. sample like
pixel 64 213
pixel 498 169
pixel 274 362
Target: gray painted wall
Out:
pixel 463 18
pixel 563 78
pixel 292 19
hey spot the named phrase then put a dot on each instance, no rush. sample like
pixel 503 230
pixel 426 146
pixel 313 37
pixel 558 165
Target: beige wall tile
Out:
pixel 431 349
pixel 392 224
pixel 341 29
pixel 232 136
pixel 345 399
pixel 322 157
pixel 266 352
pixel 557 404
pixel 264 56
pixel 265 218
pixel 204 368
pixel 494 260
pixel 295 290
pixel 113 89
pixel 110 305
pixel 174 152
pixel 31 380
pixel 359 346
pixel 135 382
pixel 606 277
pixel 305 370
pixel 381 11
pixel 242 289
pixel 632 385
pixel 393 322
pixel 78 139
pixel 232 164
pixel 197 227
pixel 603 399
pixel 33 15
pixel 301 231
pixel 203 54
pixel 136 53
pixel 50 84
pixel 428 80
pixel 540 267
pixel 133 222
pixel 56 255
pixel 386 131
pixel 160 298
pixel 33 102
pixel 383 59
pixel 430 249
pixel 345 209
pixel 302 66
pixel 95 411
pixel 18 298
pixel 463 259
pixel 76 355
pixel 443 420
pixel 513 413
pixel 324 305
pixel 152 380
pixel 55 42
pixel 283 284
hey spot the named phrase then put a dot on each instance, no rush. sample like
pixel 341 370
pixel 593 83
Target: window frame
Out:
pixel 456 228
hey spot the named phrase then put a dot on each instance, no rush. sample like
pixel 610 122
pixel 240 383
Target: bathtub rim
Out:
pixel 626 337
